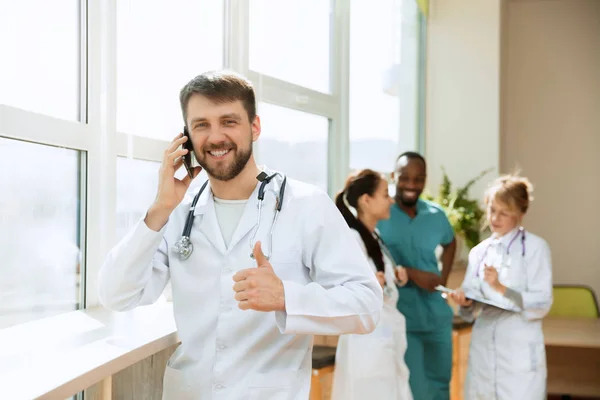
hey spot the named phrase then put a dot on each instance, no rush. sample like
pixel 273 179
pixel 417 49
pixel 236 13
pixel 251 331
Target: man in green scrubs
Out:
pixel 415 228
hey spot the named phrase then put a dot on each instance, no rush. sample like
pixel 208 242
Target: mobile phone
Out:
pixel 187 159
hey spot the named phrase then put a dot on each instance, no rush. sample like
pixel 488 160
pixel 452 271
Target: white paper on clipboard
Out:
pixel 480 299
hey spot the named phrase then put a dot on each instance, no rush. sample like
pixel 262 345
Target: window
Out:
pixel 160 47
pixel 40 67
pixel 294 142
pixel 54 68
pixel 383 82
pixel 137 183
pixel 39 231
pixel 290 40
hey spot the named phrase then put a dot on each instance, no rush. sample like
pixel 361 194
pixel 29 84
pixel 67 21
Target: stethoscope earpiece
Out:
pixel 264 179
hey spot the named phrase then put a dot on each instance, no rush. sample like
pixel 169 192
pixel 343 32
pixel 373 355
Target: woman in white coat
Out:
pixel 372 365
pixel 513 269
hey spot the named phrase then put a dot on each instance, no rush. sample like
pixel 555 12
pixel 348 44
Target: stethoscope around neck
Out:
pixel 520 232
pixel 184 248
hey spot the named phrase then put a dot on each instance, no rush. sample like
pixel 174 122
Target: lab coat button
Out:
pixel 218 386
pixel 221 345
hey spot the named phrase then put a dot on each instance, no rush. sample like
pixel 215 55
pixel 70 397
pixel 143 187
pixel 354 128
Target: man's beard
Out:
pixel 226 172
pixel 405 202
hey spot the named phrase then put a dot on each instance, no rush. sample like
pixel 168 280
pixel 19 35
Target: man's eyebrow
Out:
pixel 224 116
pixel 197 119
pixel 231 115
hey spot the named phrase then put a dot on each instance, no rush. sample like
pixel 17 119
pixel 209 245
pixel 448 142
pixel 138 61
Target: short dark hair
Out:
pixel 220 87
pixel 412 155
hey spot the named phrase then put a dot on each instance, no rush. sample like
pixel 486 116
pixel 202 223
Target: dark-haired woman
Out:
pixel 372 366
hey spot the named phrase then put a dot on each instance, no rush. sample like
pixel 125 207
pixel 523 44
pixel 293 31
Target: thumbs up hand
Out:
pixel 259 288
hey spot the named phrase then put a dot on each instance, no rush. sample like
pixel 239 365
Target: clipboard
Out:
pixel 480 299
pixel 477 298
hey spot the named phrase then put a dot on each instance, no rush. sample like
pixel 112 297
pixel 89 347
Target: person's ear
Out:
pixel 363 201
pixel 256 128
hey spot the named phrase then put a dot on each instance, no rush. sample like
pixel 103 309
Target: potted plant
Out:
pixel 465 214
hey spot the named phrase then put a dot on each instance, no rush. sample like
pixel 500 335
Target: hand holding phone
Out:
pixel 187 158
pixel 171 190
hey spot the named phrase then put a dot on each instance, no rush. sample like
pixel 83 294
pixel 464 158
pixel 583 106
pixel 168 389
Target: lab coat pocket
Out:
pixel 529 357
pixel 178 386
pixel 277 385
pixel 537 353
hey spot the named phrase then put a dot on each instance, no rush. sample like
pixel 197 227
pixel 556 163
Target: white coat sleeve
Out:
pixel 536 300
pixel 468 313
pixel 135 271
pixel 344 295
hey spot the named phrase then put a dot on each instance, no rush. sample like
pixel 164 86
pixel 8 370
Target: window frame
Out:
pixel 99 142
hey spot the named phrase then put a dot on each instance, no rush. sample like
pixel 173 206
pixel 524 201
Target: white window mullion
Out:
pixel 38 128
pixel 139 147
pixel 339 140
pixel 101 160
pixel 236 45
pixel 289 95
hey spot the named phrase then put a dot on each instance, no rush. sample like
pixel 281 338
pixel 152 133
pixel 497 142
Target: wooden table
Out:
pixel 573 355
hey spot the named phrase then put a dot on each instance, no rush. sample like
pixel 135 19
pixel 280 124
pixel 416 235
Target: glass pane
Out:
pixel 290 40
pixel 294 142
pixel 39 231
pixel 137 183
pixel 383 82
pixel 161 45
pixel 40 67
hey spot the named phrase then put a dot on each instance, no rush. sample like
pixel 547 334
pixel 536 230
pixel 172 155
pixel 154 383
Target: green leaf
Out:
pixel 465 214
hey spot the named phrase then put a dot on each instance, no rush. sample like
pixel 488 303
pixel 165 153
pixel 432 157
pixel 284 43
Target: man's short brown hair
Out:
pixel 220 87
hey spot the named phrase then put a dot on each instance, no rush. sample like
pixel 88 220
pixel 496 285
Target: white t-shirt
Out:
pixel 229 213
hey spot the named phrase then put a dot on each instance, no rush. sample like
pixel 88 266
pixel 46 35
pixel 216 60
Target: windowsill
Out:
pixel 60 356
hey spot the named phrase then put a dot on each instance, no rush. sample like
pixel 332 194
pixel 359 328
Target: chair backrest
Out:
pixel 574 301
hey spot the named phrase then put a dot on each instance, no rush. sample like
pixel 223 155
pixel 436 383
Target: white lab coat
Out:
pixel 507 359
pixel 372 366
pixel 228 353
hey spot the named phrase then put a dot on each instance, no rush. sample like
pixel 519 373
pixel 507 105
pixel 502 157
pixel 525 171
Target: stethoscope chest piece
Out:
pixel 183 248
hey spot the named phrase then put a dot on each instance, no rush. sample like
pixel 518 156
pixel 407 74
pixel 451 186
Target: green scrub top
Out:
pixel 412 243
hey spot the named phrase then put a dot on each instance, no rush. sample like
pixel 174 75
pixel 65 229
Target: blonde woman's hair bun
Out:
pixel 511 189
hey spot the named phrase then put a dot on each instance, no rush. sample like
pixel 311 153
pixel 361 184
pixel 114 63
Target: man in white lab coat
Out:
pixel 245 322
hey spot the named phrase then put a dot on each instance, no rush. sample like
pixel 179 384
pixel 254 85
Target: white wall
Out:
pixel 517 82
pixel 551 126
pixel 463 90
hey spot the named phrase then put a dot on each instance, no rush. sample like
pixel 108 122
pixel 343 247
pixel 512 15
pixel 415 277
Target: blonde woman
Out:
pixel 512 269
pixel 372 366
